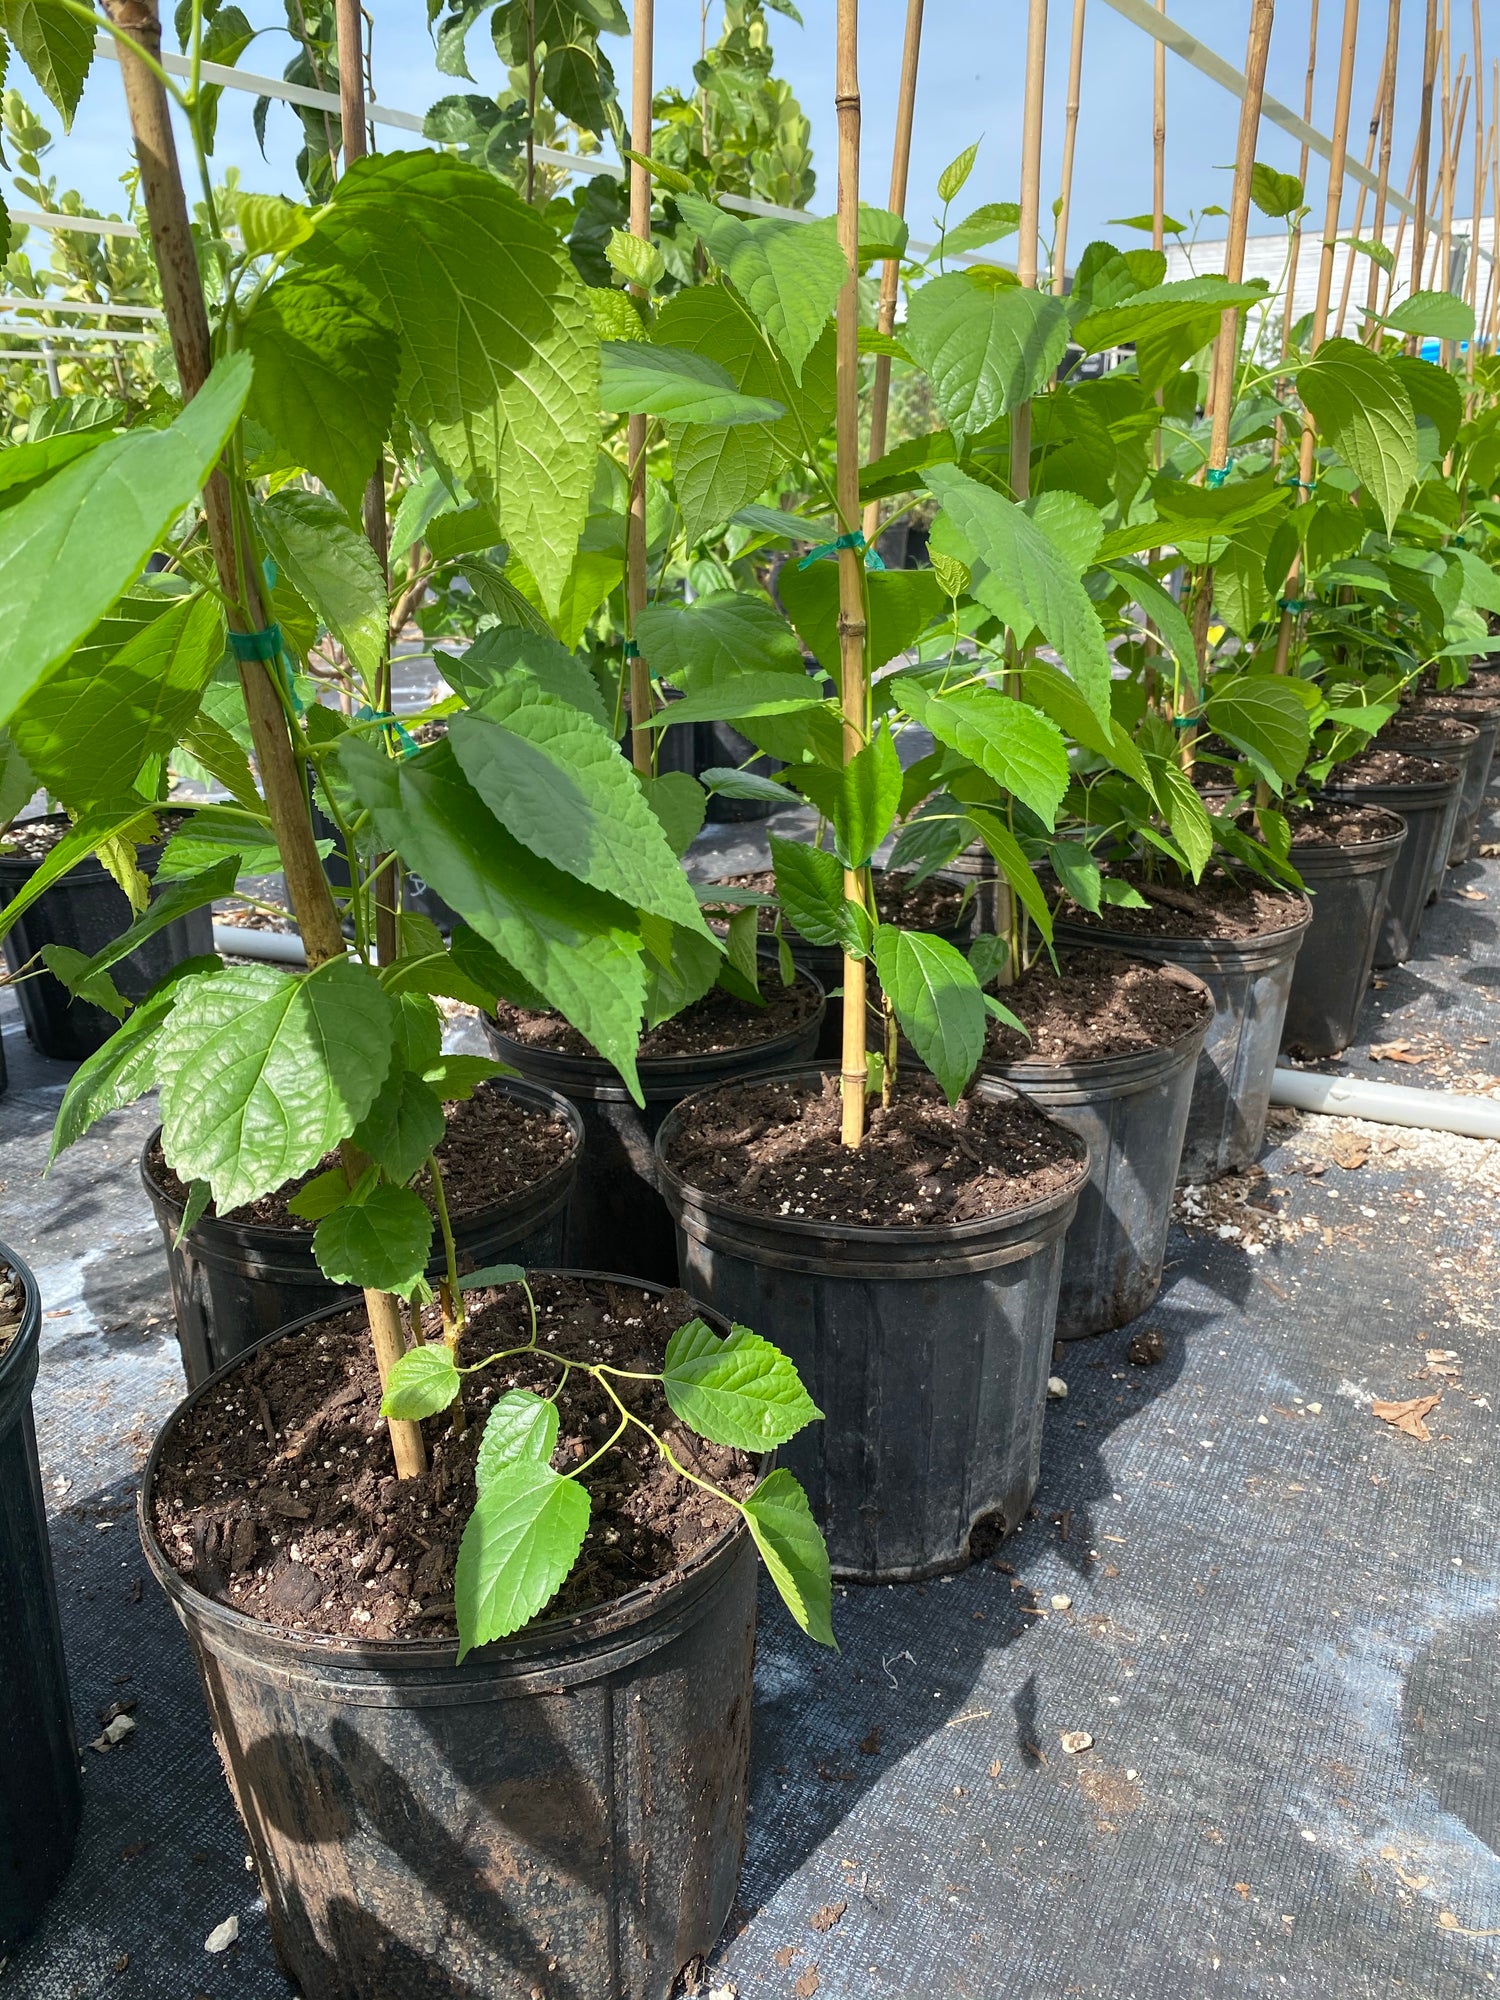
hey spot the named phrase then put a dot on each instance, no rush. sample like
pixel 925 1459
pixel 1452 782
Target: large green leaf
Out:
pixel 326 369
pixel 507 653
pixel 115 1075
pixel 520 1426
pixel 1183 303
pixel 675 383
pixel 522 1539
pixel 1021 749
pixel 737 700
pixel 788 273
pixel 499 348
pixel 1435 394
pixel 1029 583
pixel 1011 860
pixel 1050 690
pixel 1162 608
pixel 1186 814
pixel 95 831
pixel 558 782
pixel 1267 719
pixel 24 466
pixel 332 566
pixel 984 348
pixel 810 886
pixel 1438 315
pixel 793 1552
pixel 864 806
pixel 56 46
pixel 716 638
pixel 740 1391
pixel 1362 408
pixel 938 1001
pixel 263 1072
pixel 901 604
pixel 380 1244
pixel 89 729
pixel 575 947
pixel 74 544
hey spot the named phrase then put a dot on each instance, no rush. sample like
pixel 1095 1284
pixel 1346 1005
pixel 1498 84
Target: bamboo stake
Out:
pixel 1294 252
pixel 1070 140
pixel 1492 290
pixel 1227 343
pixel 1026 242
pixel 1481 163
pixel 854 690
pixel 643 27
pixel 1445 164
pixel 187 322
pixel 355 132
pixel 1387 134
pixel 890 270
pixel 1424 146
pixel 1376 117
pixel 1336 163
pixel 1411 188
pixel 1159 140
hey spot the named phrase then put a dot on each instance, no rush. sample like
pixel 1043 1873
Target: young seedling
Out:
pixel 529 1520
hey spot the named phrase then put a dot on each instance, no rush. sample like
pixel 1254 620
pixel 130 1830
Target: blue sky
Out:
pixel 970 87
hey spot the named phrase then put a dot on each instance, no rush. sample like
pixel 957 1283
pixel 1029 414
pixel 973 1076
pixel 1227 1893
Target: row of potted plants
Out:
pixel 489 1356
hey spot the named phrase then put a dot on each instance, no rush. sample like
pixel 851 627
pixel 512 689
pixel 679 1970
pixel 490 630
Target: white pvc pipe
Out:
pixel 277 947
pixel 1387 1103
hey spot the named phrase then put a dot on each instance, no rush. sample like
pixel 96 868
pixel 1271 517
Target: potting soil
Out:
pixel 1219 1721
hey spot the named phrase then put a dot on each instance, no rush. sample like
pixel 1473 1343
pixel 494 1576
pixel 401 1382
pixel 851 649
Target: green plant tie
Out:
pixel 267 645
pixel 1307 485
pixel 855 540
pixel 1217 474
pixel 632 650
pixel 409 744
pixel 1186 721
pixel 1295 604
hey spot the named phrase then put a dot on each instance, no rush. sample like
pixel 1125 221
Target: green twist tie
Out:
pixel 1295 604
pixel 1307 485
pixel 632 650
pixel 409 744
pixel 1185 721
pixel 1217 474
pixel 855 540
pixel 267 645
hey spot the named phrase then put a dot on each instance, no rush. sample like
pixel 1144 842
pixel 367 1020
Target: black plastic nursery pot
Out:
pixel 1250 980
pixel 927 1350
pixel 1349 887
pixel 86 909
pixel 41 1800
pixel 1485 717
pixel 617 1219
pixel 1429 811
pixel 1461 756
pixel 564 1813
pixel 1131 1111
pixel 235 1282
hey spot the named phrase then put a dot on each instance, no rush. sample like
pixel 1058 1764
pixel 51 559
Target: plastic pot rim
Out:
pixel 812 1230
pixel 1133 1066
pixel 18 1364
pixel 569 1646
pixel 278 1235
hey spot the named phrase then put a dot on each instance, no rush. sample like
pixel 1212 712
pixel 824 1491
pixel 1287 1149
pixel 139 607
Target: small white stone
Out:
pixel 1074 1741
pixel 1061 1603
pixel 221 1938
pixel 1057 1388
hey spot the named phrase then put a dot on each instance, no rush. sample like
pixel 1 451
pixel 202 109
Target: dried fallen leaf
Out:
pixel 1448 1922
pixel 869 1746
pixel 1407 1417
pixel 1076 1740
pixel 1400 1052
pixel 785 1953
pixel 1473 895
pixel 807 1983
pixel 1350 1152
pixel 996 1768
pixel 113 1735
pixel 828 1916
pixel 223 1936
pixel 1242 1889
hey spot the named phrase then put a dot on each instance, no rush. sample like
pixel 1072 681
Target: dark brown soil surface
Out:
pixel 12 1305
pixel 1463 702
pixel 34 839
pixel 774 1148
pixel 1101 1005
pixel 1422 728
pixel 933 905
pixel 1333 823
pixel 494 1149
pixel 1218 907
pixel 711 1026
pixel 1388 767
pixel 309 1529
